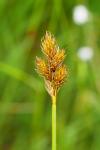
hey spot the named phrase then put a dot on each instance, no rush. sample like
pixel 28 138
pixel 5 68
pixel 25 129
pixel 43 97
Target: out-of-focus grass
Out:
pixel 25 107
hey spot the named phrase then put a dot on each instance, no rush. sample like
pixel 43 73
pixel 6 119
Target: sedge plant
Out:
pixel 54 73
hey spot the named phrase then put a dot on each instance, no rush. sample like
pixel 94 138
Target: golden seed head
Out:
pixel 53 71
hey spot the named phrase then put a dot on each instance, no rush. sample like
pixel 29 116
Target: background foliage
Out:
pixel 25 106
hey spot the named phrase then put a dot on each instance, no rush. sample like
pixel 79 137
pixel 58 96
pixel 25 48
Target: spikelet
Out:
pixel 49 45
pixel 42 68
pixel 53 70
pixel 57 60
pixel 59 76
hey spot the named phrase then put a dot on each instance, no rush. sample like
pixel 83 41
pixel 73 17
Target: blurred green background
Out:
pixel 25 106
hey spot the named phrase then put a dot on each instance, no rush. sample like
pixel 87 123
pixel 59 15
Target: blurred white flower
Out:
pixel 85 53
pixel 80 14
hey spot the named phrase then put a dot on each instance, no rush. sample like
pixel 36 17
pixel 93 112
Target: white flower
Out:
pixel 80 14
pixel 85 53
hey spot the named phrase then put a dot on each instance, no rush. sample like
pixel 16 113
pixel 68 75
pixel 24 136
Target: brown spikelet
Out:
pixel 59 76
pixel 57 60
pixel 49 45
pixel 42 68
pixel 53 70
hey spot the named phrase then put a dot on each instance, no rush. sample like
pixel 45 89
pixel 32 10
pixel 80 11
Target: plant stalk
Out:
pixel 53 122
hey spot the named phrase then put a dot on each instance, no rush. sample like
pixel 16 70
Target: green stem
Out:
pixel 53 122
